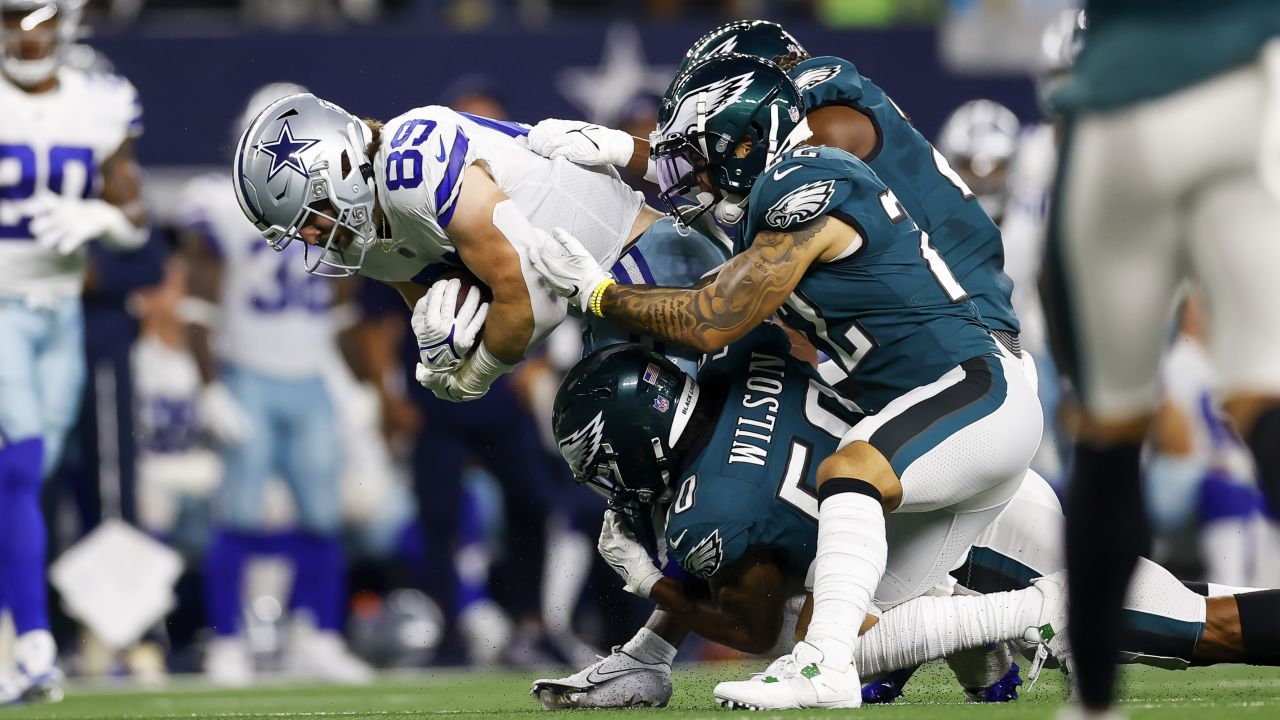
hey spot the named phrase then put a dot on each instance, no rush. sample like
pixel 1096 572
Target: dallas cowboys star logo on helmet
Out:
pixel 285 150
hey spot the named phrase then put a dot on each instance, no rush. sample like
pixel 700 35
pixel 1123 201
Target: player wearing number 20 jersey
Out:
pixel 67 177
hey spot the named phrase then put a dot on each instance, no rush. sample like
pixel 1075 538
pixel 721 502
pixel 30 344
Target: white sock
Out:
pixel 647 646
pixel 564 574
pixel 928 628
pixel 1216 590
pixel 848 564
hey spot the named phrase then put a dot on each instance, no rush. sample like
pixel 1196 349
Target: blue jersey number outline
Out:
pixel 28 171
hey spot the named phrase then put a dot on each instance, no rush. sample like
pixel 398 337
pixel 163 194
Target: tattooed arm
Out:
pixel 747 289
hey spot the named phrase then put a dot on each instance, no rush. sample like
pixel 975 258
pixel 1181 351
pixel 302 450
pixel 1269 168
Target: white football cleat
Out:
pixel 616 681
pixel 35 656
pixel 323 655
pixel 1051 631
pixel 798 680
pixel 227 662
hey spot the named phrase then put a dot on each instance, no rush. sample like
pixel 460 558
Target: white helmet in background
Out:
pixel 1059 47
pixel 979 139
pixel 303 157
pixel 56 22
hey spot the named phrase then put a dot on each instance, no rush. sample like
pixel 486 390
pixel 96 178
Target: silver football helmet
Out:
pixel 302 158
pixel 979 139
pixel 59 20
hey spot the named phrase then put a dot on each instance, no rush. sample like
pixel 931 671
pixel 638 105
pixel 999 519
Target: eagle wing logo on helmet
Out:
pixel 714 98
pixel 704 558
pixel 580 448
pixel 816 76
pixel 727 46
pixel 801 205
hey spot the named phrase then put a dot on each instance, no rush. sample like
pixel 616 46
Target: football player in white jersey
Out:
pixel 432 188
pixel 269 407
pixel 67 176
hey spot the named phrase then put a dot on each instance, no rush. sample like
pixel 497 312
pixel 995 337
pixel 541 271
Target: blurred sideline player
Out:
pixel 740 527
pixel 1198 473
pixel 979 139
pixel 66 177
pixel 1170 164
pixel 264 351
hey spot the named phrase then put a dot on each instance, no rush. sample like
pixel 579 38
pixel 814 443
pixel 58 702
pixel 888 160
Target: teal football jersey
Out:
pixel 889 313
pixel 926 185
pixel 754 481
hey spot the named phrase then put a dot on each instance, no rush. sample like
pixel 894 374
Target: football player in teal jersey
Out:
pixel 829 247
pixel 845 109
pixel 732 495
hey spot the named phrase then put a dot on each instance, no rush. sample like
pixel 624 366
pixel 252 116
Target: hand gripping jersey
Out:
pixel 888 312
pixel 419 166
pixel 754 481
pixel 55 143
pixel 926 185
pixel 270 306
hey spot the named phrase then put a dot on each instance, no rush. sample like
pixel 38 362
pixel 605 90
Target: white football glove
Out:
pixel 65 224
pixel 445 337
pixel 581 142
pixel 619 680
pixel 566 266
pixel 468 381
pixel 627 556
pixel 222 416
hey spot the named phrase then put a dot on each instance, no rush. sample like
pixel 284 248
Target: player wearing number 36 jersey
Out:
pixel 828 245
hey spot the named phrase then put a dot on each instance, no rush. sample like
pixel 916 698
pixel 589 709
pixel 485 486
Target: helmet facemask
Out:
pixel 55 23
pixel 694 141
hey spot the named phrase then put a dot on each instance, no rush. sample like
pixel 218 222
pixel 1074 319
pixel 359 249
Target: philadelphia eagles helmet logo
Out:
pixel 801 205
pixel 816 76
pixel 580 448
pixel 710 100
pixel 705 557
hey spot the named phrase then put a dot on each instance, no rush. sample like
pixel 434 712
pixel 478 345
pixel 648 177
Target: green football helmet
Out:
pixel 750 37
pixel 716 104
pixel 617 418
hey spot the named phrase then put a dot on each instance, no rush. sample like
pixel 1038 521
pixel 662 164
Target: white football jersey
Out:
pixel 273 316
pixel 55 143
pixel 166 387
pixel 418 168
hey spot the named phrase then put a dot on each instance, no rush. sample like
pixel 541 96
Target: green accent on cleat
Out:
pixel 811 671
pixel 770 679
pixel 1046 632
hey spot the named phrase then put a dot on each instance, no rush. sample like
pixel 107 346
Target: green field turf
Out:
pixel 1234 693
